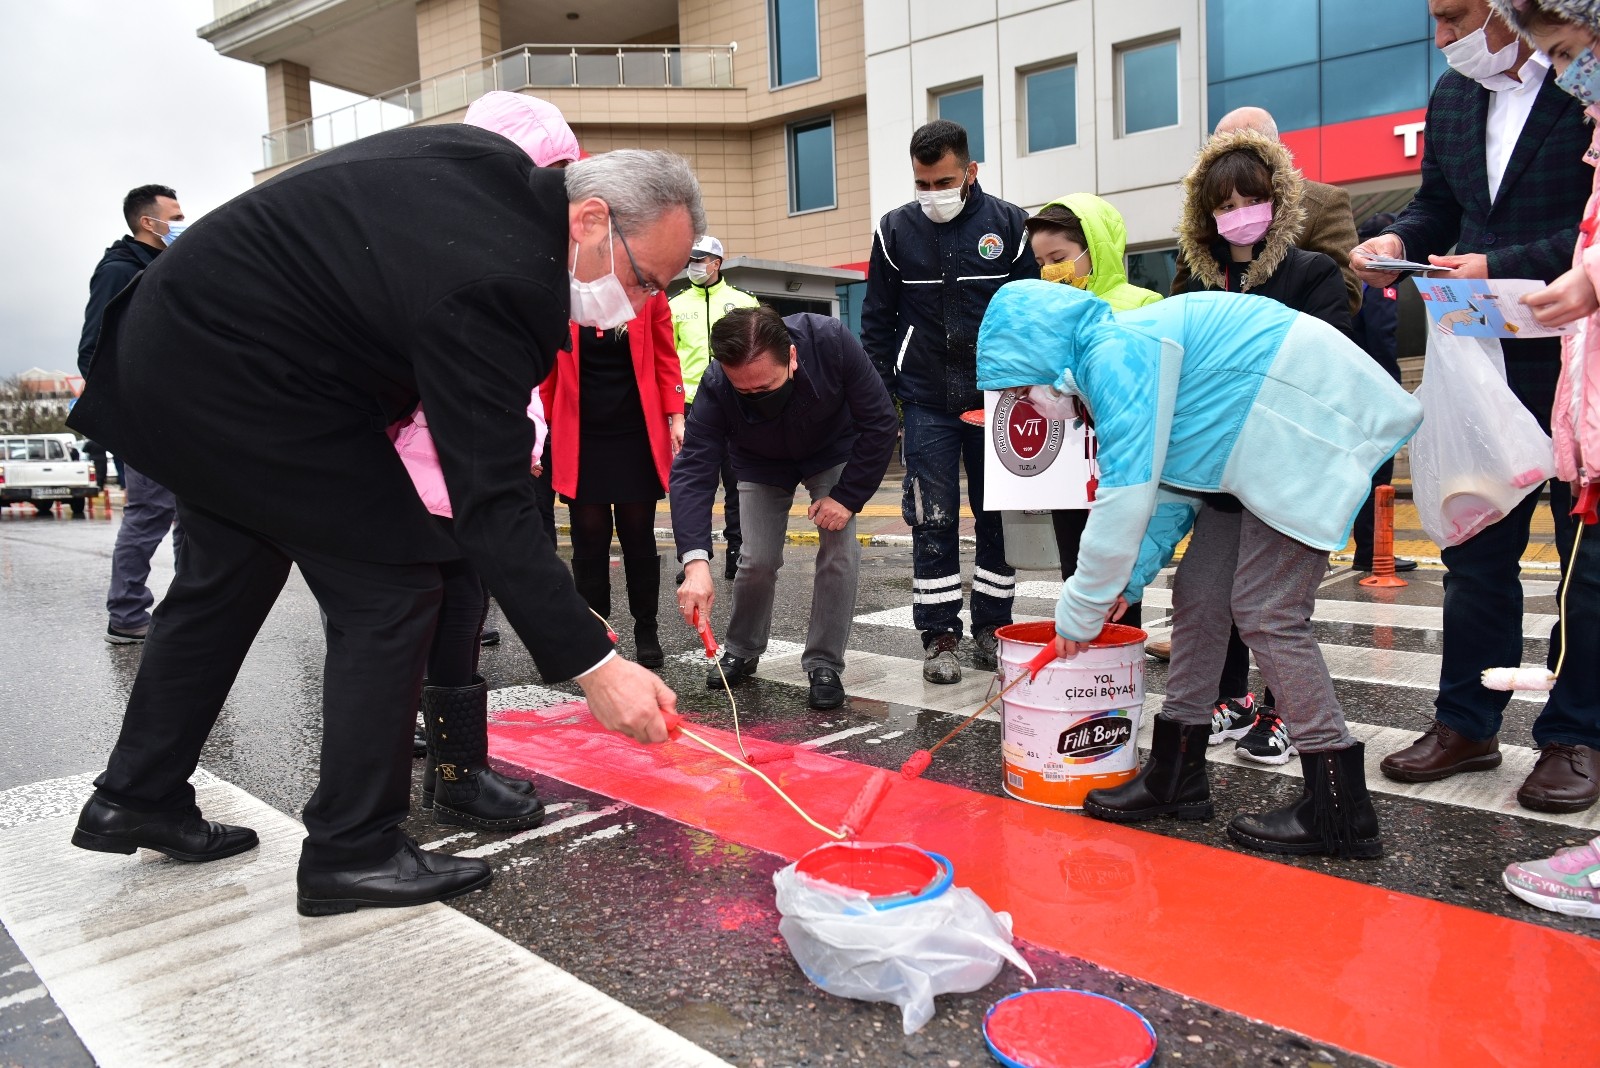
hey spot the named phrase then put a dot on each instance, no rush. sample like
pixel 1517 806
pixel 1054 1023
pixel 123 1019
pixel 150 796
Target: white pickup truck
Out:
pixel 41 469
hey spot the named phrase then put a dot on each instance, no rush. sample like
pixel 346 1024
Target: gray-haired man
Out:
pixel 434 264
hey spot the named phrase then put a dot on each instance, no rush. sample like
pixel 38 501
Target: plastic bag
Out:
pixel 1479 451
pixel 952 943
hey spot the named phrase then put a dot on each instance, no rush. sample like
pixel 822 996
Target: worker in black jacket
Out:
pixel 149 510
pixel 936 262
pixel 256 368
pixel 785 401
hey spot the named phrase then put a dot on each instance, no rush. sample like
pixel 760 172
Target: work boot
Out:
pixel 467 793
pixel 1334 814
pixel 643 575
pixel 939 663
pixel 986 650
pixel 1172 782
pixel 593 579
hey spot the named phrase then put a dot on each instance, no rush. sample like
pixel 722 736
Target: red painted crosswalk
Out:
pixel 1394 977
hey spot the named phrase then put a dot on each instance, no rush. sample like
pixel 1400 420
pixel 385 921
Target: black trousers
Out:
pixel 380 620
pixel 730 507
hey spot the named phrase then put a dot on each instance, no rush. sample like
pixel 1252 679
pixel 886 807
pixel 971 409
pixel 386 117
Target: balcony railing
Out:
pixel 523 67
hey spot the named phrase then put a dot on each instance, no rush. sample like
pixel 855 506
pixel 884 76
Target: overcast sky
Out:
pixel 101 96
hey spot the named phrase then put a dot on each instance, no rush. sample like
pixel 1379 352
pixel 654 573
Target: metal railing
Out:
pixel 523 67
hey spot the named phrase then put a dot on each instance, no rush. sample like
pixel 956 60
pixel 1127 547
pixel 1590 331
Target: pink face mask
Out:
pixel 1245 226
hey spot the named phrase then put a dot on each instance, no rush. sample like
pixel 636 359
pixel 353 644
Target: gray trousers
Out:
pixel 151 510
pixel 1237 568
pixel 764 517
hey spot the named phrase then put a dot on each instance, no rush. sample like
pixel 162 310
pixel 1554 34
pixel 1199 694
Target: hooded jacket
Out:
pixel 117 267
pixel 1107 237
pixel 694 312
pixel 1308 282
pixel 1200 393
pixel 928 285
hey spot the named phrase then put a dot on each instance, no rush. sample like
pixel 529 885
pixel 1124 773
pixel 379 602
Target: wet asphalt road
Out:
pixel 667 918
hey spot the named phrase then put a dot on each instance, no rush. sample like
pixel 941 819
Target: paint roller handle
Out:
pixel 1040 660
pixel 673 721
pixel 702 627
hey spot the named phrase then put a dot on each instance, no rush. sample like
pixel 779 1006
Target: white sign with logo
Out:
pixel 1033 462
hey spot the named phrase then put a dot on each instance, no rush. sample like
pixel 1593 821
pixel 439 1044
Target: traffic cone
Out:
pixel 1383 541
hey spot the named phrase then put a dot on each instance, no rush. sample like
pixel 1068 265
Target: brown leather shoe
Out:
pixel 1439 754
pixel 1566 779
pixel 1161 650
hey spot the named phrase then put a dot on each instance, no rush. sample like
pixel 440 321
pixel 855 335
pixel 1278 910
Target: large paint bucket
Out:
pixel 1074 728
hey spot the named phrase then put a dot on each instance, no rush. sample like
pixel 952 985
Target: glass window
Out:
pixel 1350 26
pixel 1437 65
pixel 1052 107
pixel 811 165
pixel 1153 270
pixel 792 26
pixel 966 107
pixel 851 297
pixel 1148 78
pixel 56 452
pixel 1291 96
pixel 1375 83
pixel 36 448
pixel 1251 36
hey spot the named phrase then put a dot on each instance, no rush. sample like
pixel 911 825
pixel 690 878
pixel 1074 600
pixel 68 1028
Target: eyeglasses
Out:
pixel 649 288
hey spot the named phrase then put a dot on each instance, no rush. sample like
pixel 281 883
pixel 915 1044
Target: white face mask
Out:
pixel 699 274
pixel 603 303
pixel 1050 403
pixel 1470 55
pixel 940 205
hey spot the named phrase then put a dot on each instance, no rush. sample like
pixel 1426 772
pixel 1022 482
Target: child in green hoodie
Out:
pixel 1080 240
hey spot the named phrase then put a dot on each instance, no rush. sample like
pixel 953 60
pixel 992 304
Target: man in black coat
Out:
pixel 255 369
pixel 784 402
pixel 936 263
pixel 1504 182
pixel 154 218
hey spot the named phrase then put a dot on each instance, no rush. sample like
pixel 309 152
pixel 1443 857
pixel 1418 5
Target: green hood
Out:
pixel 1107 236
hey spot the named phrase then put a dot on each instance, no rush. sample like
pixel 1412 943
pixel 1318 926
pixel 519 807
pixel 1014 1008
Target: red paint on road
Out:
pixel 1395 977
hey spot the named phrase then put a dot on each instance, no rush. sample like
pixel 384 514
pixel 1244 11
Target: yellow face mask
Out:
pixel 1065 271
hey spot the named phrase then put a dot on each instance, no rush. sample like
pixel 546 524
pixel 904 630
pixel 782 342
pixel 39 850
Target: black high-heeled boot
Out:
pixel 1334 815
pixel 643 574
pixel 466 792
pixel 1172 782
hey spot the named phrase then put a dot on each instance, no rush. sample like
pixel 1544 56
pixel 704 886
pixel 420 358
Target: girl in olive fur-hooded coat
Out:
pixel 1248 168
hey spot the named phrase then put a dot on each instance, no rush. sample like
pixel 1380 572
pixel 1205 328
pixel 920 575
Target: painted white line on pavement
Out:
pixel 878 677
pixel 545 831
pixel 829 739
pixel 511 697
pixel 22 997
pixel 60 797
pixel 776 647
pixel 132 948
pixel 457 837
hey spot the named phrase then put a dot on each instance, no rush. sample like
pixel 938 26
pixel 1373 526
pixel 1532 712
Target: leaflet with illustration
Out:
pixel 1484 307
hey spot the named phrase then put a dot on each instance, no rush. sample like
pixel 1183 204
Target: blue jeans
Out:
pixel 936 445
pixel 149 512
pixel 1483 628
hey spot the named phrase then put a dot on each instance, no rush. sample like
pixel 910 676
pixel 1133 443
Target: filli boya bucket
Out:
pixel 1073 728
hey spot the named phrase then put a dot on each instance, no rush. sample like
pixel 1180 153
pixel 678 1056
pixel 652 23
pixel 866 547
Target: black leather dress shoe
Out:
pixel 411 877
pixel 108 828
pixel 826 689
pixel 490 636
pixel 736 668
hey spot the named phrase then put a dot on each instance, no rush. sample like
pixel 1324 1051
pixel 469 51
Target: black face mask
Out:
pixel 765 407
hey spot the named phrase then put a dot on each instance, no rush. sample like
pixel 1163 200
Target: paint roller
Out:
pixel 861 810
pixel 1587 509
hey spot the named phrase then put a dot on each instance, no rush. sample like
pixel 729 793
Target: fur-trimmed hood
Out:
pixel 1197 241
pixel 1514 12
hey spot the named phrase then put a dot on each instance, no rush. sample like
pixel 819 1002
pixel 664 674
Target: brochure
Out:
pixel 1484 307
pixel 1386 263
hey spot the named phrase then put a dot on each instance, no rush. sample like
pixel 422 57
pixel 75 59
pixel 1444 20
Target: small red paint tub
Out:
pixel 1065 1028
pixel 890 875
pixel 976 417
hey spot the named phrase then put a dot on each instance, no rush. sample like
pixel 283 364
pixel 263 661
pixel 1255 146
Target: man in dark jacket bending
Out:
pixel 254 370
pixel 787 401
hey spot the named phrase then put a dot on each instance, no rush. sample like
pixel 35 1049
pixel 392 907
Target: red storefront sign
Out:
pixel 1387 146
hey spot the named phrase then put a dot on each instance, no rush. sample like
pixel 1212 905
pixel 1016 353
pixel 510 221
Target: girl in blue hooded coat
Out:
pixel 1197 395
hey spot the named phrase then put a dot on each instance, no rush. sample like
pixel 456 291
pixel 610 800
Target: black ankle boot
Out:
pixel 466 792
pixel 593 579
pixel 643 574
pixel 1171 783
pixel 1334 814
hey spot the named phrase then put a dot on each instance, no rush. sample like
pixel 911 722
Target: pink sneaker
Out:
pixel 1568 883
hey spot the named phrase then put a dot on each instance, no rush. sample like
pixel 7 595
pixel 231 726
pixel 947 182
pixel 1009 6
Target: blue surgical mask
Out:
pixel 174 228
pixel 1582 78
